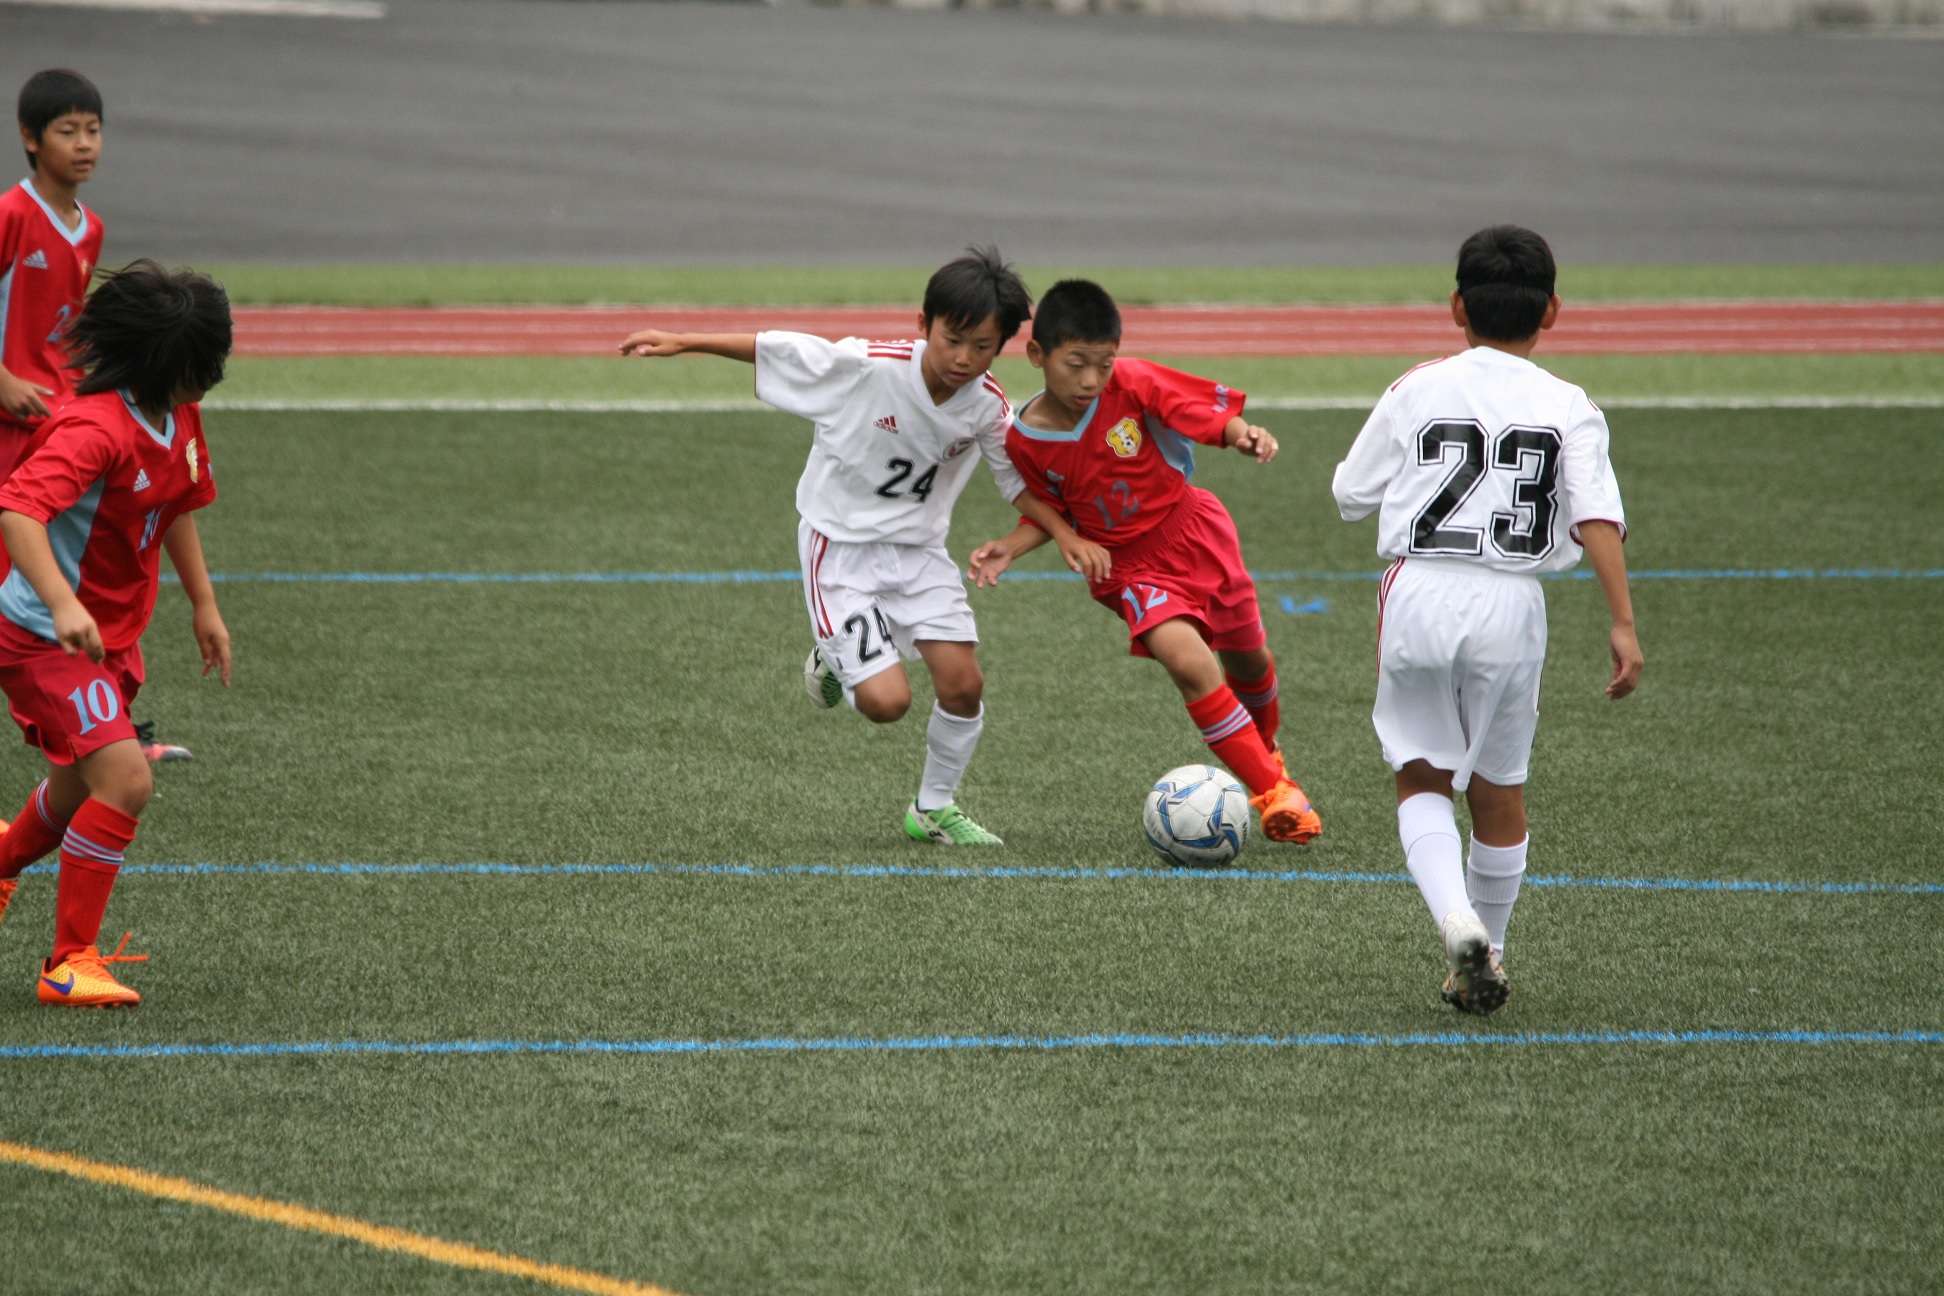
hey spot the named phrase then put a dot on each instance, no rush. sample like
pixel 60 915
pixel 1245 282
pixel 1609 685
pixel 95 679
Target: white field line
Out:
pixel 244 8
pixel 1353 403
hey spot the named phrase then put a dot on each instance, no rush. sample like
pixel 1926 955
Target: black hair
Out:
pixel 1505 276
pixel 977 287
pixel 148 331
pixel 53 93
pixel 1076 310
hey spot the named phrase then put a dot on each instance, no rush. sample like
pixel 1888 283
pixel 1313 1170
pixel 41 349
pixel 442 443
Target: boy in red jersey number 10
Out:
pixel 1485 471
pixel 898 428
pixel 1107 451
pixel 111 481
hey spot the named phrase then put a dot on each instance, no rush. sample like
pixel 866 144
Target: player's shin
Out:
pixel 1492 876
pixel 91 856
pixel 1259 697
pixel 949 743
pixel 32 834
pixel 1231 733
pixel 1427 827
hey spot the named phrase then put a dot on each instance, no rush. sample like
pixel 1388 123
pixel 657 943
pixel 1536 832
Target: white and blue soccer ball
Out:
pixel 1197 817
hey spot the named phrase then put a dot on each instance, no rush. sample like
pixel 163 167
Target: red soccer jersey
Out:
pixel 44 269
pixel 107 486
pixel 1123 468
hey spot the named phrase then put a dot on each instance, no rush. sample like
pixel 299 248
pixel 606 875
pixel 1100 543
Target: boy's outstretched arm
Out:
pixel 655 342
pixel 1601 540
pixel 994 556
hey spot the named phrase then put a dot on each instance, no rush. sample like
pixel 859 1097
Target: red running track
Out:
pixel 1840 326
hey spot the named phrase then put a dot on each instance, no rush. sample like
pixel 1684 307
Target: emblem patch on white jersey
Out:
pixel 141 479
pixel 958 447
pixel 36 260
pixel 189 452
pixel 1125 438
pixel 889 423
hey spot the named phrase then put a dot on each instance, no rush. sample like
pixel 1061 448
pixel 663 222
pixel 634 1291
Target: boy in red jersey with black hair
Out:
pixel 111 480
pixel 49 245
pixel 1106 452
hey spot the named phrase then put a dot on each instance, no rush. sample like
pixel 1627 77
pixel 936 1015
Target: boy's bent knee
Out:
pixel 118 775
pixel 883 710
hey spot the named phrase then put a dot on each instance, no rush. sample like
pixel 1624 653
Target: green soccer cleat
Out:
pixel 820 682
pixel 947 826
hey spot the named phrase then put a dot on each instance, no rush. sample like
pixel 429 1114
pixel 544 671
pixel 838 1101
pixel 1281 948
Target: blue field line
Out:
pixel 1001 873
pixel 950 1043
pixel 790 577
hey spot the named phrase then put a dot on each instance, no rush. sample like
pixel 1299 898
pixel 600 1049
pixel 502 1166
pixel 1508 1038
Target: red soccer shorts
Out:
pixel 1189 566
pixel 67 706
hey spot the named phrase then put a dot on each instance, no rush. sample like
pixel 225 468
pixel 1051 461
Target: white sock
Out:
pixel 1428 827
pixel 1492 880
pixel 949 743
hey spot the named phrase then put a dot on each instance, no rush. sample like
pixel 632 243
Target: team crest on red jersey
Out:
pixel 1125 438
pixel 189 453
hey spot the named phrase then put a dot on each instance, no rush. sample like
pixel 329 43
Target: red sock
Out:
pixel 1259 696
pixel 34 832
pixel 91 855
pixel 1227 729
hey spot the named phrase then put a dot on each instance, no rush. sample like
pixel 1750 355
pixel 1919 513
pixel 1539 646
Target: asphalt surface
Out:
pixel 536 131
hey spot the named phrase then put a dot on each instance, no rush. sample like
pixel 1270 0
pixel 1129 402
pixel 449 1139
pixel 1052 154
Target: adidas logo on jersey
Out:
pixel 889 423
pixel 36 260
pixel 141 479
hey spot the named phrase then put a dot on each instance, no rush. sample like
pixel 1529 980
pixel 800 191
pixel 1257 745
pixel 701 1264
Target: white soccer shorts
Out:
pixel 1460 649
pixel 870 603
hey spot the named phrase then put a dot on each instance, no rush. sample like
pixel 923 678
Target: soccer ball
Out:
pixel 1197 816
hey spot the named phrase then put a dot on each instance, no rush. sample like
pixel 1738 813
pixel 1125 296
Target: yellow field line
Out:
pixel 457 1254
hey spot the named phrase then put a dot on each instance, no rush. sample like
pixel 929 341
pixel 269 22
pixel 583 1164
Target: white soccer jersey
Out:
pixel 887 464
pixel 1485 458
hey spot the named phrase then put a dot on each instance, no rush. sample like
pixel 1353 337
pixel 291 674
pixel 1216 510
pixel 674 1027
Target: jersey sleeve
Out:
pixel 1198 408
pixel 808 376
pixel 71 458
pixel 203 493
pixel 1375 458
pixel 992 448
pixel 1590 491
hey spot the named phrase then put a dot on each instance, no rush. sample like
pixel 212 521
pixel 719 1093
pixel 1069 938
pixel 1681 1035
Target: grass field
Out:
pixel 1788 730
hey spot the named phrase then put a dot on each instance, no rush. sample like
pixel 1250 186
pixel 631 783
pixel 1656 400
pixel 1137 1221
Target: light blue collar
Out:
pixel 73 236
pixel 1041 434
pixel 166 437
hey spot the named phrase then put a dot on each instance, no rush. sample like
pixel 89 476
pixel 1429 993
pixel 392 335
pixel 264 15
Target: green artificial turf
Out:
pixel 451 285
pixel 1786 730
pixel 573 380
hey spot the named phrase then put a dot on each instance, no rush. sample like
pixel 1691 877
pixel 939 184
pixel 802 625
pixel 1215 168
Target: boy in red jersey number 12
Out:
pixel 112 480
pixel 898 428
pixel 1485 471
pixel 1107 451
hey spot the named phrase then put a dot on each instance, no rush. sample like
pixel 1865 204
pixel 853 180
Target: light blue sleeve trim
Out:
pixel 67 535
pixel 6 302
pixel 1177 449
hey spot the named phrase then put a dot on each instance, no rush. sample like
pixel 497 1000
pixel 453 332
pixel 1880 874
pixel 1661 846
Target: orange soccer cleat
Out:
pixel 7 890
pixel 1287 815
pixel 83 980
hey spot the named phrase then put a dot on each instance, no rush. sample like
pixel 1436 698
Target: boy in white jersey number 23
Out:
pixel 898 428
pixel 1485 472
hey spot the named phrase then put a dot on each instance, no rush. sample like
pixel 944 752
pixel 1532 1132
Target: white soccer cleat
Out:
pixel 1476 983
pixel 820 682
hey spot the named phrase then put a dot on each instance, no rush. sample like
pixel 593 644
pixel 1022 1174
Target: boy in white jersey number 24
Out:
pixel 898 428
pixel 1485 472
